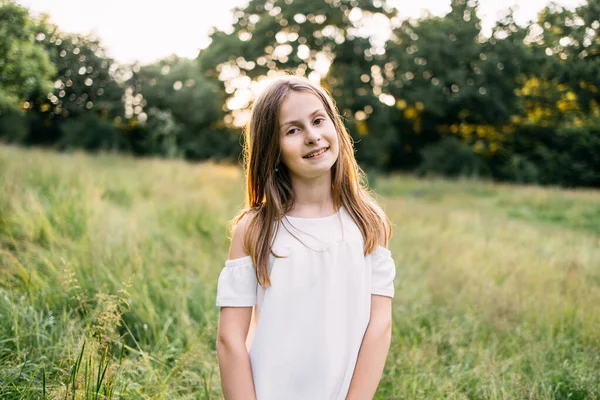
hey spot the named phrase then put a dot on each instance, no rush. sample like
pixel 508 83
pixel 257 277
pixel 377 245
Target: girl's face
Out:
pixel 308 139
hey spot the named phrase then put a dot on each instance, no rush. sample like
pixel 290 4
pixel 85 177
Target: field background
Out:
pixel 108 268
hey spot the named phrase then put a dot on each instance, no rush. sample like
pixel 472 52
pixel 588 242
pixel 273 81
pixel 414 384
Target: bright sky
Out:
pixel 145 30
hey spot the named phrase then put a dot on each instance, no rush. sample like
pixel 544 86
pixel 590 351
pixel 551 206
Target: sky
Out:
pixel 144 31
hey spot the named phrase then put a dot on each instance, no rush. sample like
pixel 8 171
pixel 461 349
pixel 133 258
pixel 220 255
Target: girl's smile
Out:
pixel 316 154
pixel 308 138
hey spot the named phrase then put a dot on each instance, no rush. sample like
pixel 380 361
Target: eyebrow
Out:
pixel 296 122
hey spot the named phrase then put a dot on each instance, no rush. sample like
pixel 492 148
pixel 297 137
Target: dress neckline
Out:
pixel 313 219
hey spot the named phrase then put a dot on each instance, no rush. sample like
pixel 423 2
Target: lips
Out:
pixel 316 152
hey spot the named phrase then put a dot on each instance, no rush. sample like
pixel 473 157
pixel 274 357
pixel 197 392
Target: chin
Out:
pixel 318 172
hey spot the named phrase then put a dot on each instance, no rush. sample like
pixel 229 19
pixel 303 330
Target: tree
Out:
pixel 447 78
pixel 24 65
pixel 567 45
pixel 329 44
pixel 184 110
pixel 84 87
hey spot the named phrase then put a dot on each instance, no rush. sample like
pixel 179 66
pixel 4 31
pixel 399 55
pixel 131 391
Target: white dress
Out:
pixel 309 324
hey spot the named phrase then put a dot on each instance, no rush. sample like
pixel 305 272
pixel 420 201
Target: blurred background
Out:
pixel 508 91
pixel 478 124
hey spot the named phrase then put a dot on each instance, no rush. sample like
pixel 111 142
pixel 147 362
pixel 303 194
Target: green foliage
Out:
pixel 163 133
pixel 440 62
pixel 91 133
pixel 525 100
pixel 14 127
pixel 442 71
pixel 299 36
pixel 544 155
pixel 184 110
pixel 449 157
pixel 25 67
pixel 83 81
pixel 569 40
pixel 257 25
pixel 84 88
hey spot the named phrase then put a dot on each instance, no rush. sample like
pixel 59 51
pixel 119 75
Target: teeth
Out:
pixel 315 154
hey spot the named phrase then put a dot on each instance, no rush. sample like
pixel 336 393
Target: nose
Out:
pixel 312 135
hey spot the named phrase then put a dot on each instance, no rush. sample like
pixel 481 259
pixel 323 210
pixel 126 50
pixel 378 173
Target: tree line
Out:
pixel 433 95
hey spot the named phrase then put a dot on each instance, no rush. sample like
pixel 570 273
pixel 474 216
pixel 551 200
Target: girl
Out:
pixel 308 285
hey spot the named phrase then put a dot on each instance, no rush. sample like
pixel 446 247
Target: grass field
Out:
pixel 108 270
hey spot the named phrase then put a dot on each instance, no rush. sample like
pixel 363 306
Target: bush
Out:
pixel 91 133
pixel 13 128
pixel 451 158
pixel 520 169
pixel 551 156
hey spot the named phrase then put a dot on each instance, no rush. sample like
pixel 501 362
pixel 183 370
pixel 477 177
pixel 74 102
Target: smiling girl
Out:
pixel 306 292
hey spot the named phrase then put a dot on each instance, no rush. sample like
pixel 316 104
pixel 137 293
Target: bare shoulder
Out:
pixel 236 248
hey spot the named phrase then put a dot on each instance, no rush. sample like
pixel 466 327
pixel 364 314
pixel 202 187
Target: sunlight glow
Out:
pixel 182 27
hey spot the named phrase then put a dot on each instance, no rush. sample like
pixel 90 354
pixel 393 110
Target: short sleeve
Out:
pixel 237 284
pixel 383 272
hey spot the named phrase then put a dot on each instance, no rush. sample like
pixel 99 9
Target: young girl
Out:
pixel 308 284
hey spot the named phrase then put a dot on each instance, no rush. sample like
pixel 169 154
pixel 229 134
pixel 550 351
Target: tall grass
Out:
pixel 109 265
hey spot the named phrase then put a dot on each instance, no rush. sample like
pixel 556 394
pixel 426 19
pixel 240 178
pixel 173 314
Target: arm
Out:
pixel 376 341
pixel 234 323
pixel 234 362
pixel 373 350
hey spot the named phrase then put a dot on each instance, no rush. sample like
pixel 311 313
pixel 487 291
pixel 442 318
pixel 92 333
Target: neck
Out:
pixel 312 198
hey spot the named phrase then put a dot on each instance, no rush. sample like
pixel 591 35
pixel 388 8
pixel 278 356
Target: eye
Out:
pixel 291 131
pixel 319 121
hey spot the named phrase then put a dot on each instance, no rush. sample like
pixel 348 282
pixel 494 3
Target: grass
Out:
pixel 109 264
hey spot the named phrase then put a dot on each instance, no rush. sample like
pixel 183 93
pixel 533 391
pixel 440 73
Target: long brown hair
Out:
pixel 269 193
